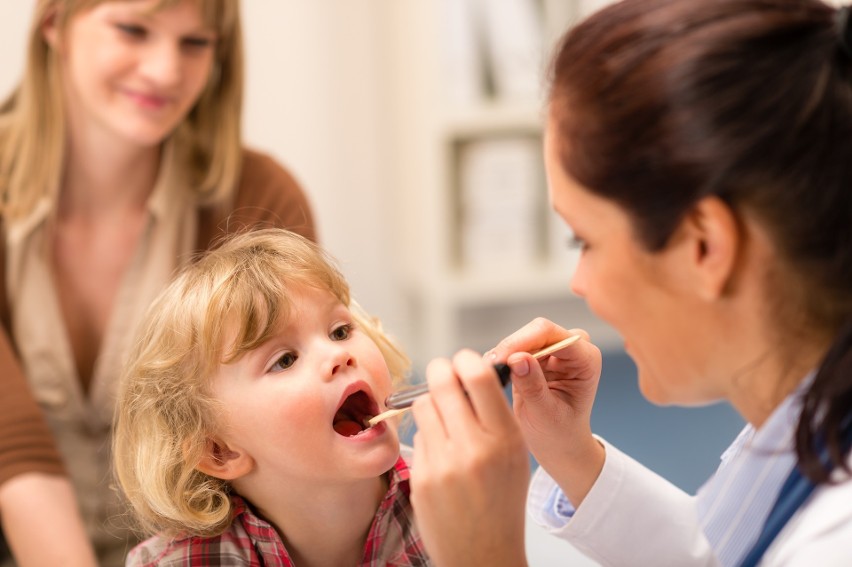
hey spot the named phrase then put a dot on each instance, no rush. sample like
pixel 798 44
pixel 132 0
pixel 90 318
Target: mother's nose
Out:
pixel 161 63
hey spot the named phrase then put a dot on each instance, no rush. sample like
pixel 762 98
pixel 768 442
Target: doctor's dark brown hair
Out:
pixel 659 103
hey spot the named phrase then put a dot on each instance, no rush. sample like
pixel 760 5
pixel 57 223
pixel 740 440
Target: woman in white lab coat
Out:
pixel 701 151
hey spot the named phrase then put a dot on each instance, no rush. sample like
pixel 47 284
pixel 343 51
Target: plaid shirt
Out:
pixel 393 539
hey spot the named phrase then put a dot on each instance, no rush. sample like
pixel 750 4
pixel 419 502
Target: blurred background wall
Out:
pixel 397 116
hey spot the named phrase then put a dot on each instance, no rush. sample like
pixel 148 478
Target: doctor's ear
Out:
pixel 224 462
pixel 716 239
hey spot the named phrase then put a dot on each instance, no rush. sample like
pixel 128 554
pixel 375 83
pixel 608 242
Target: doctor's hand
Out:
pixel 553 399
pixel 470 472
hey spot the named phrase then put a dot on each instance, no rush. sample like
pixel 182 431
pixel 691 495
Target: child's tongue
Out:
pixel 347 427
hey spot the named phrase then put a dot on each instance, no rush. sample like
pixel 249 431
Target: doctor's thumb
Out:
pixel 528 380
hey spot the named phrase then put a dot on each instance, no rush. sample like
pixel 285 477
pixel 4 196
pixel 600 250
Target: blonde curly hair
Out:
pixel 166 411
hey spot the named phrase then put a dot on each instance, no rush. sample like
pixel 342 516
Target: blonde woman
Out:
pixel 240 434
pixel 120 155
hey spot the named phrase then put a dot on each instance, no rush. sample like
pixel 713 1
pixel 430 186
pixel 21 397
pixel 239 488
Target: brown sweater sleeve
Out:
pixel 26 443
pixel 267 196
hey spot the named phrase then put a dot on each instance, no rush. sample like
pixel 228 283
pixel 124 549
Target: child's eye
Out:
pixel 284 362
pixel 132 31
pixel 341 333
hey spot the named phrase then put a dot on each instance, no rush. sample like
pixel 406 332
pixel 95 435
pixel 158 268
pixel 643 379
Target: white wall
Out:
pixel 14 21
pixel 314 99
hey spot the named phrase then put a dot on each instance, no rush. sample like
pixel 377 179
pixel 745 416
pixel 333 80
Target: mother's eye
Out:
pixel 284 362
pixel 197 43
pixel 132 31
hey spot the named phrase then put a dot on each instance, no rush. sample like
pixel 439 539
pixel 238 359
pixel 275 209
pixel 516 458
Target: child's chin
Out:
pixel 386 456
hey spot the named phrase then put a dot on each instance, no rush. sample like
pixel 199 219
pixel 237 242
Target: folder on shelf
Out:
pixel 514 40
pixel 501 191
pixel 462 53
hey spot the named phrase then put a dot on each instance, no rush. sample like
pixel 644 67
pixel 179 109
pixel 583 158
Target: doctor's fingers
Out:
pixel 468 397
pixel 529 384
pixel 449 399
pixel 580 360
pixel 487 398
pixel 532 337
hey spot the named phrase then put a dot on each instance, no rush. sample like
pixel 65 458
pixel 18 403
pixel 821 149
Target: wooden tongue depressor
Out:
pixel 408 395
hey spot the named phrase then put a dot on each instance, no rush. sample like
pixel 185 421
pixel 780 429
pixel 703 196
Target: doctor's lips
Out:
pixel 354 413
pixel 401 401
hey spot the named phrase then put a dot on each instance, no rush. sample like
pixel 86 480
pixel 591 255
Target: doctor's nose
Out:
pixel 578 280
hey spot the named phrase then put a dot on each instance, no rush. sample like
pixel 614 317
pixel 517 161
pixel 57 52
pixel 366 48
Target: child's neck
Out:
pixel 321 526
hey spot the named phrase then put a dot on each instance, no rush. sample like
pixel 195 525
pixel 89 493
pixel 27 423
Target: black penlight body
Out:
pixel 404 398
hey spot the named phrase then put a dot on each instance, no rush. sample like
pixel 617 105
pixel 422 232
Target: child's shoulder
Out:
pixel 159 550
pixel 227 548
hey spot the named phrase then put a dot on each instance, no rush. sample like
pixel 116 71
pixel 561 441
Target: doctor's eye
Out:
pixel 284 362
pixel 341 333
pixel 577 243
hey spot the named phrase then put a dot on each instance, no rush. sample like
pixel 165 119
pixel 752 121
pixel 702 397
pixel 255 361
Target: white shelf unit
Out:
pixel 452 304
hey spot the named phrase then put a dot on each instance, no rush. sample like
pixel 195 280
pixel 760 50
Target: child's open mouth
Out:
pixel 351 418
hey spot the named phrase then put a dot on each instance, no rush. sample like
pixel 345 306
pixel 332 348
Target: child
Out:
pixel 240 434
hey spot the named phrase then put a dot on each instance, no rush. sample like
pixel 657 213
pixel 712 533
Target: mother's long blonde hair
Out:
pixel 33 124
pixel 166 412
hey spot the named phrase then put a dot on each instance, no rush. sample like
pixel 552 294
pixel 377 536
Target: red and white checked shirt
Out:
pixel 393 540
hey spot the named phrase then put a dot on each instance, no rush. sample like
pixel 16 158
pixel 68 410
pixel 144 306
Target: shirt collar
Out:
pixel 776 433
pixel 398 478
pixel 264 535
pixel 169 194
pixel 398 481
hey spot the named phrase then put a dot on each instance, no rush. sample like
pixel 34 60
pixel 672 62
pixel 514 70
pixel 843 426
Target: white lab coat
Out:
pixel 820 533
pixel 632 516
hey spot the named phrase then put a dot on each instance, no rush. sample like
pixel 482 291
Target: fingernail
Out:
pixel 490 356
pixel 520 368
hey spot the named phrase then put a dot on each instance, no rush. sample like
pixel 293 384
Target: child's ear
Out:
pixel 224 462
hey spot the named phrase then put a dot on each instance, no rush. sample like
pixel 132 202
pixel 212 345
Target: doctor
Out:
pixel 702 154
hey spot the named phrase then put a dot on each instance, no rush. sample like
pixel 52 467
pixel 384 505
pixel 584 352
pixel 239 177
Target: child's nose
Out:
pixel 341 360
